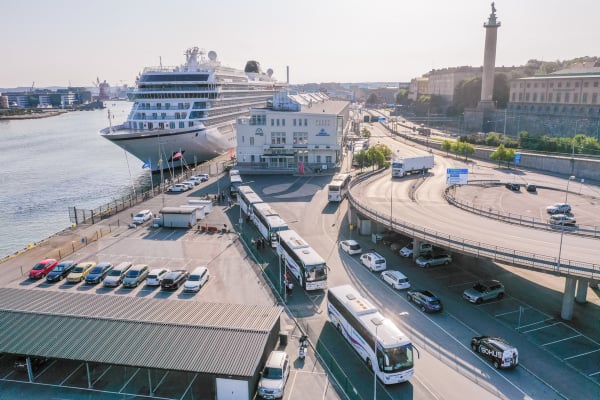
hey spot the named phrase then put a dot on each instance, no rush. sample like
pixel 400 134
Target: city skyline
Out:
pixel 72 43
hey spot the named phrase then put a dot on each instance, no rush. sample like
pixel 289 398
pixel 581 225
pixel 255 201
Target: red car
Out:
pixel 42 268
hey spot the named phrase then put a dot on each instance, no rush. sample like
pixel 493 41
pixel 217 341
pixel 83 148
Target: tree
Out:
pixel 376 156
pixel 503 154
pixel 447 146
pixel 372 100
pixel 402 97
pixel 463 148
pixel 365 132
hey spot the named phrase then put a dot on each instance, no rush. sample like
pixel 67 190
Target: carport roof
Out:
pixel 222 339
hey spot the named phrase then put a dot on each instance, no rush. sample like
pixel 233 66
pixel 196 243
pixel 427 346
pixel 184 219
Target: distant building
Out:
pixel 562 103
pixel 44 98
pixel 299 132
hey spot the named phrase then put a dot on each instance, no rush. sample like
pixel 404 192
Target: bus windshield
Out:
pixel 316 272
pixel 395 359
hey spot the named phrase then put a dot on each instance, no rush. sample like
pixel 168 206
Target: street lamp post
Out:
pixel 562 230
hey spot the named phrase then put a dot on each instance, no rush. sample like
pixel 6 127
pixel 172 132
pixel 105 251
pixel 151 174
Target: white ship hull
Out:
pixel 195 145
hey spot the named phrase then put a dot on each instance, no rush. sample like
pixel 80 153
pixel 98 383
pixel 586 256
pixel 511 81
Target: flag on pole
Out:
pixel 147 164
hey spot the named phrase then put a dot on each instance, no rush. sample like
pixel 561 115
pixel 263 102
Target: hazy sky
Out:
pixel 61 41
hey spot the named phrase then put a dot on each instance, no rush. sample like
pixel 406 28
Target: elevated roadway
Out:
pixel 416 207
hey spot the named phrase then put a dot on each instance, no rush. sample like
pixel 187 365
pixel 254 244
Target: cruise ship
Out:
pixel 185 115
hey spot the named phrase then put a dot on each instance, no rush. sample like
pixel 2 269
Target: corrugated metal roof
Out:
pixel 165 334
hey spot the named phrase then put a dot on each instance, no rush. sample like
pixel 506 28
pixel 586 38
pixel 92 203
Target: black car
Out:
pixel 497 350
pixel 98 273
pixel 60 271
pixel 36 363
pixel 427 301
pixel 174 279
pixel 513 186
pixel 531 188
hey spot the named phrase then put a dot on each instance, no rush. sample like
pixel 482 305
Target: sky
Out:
pixel 62 42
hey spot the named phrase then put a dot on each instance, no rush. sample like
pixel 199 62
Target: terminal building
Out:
pixel 296 133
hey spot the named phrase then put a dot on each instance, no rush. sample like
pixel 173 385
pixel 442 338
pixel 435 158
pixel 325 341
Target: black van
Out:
pixel 497 350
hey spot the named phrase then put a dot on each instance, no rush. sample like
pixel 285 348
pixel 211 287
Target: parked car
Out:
pixel 80 271
pixel 429 260
pixel 60 271
pixel 142 216
pixel 156 276
pixel 559 208
pixel 202 177
pixel 374 261
pixel 178 187
pixel 407 251
pixel 191 184
pixel 98 273
pixel 513 186
pixel 196 280
pixel 117 274
pixel 194 179
pixel 496 349
pixel 484 291
pixel 174 279
pixel 135 275
pixel 531 188
pixel 395 279
pixel 36 363
pixel 350 246
pixel 561 219
pixel 43 268
pixel 274 376
pixel 427 301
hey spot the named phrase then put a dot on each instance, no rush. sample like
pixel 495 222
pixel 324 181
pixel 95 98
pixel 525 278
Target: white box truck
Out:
pixel 410 165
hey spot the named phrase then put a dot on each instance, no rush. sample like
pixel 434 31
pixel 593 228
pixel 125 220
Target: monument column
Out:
pixel 489 60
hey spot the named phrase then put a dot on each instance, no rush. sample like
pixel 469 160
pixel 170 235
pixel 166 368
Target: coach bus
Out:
pixel 386 350
pixel 268 222
pixel 247 198
pixel 236 182
pixel 302 261
pixel 339 186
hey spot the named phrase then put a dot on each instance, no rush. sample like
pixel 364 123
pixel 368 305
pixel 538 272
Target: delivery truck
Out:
pixel 411 165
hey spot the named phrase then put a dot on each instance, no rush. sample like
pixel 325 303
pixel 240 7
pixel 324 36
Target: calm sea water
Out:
pixel 51 164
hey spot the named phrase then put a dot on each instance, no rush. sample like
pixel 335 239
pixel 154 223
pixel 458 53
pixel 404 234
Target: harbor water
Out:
pixel 51 164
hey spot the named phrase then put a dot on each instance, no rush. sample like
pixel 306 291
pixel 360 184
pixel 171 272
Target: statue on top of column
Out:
pixel 493 8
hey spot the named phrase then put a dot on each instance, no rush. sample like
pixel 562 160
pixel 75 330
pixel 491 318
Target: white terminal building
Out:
pixel 296 133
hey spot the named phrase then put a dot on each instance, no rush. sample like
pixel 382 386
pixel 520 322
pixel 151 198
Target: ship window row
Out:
pixel 556 98
pixel 144 116
pixel 158 96
pixel 178 88
pixel 161 125
pixel 159 106
pixel 174 77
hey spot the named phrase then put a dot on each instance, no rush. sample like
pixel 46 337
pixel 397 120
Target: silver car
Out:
pixel 484 291
pixel 429 260
pixel 561 219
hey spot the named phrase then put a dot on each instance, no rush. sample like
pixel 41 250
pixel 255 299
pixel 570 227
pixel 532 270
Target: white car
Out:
pixel 178 187
pixel 202 177
pixel 350 246
pixel 142 216
pixel 190 183
pixel 395 279
pixel 195 179
pixel 156 276
pixel 374 261
pixel 558 208
pixel 407 251
pixel 561 219
pixel 196 280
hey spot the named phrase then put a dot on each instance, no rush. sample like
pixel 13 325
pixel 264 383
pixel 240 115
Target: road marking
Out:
pixel 582 354
pixel 541 327
pixel 561 340
pixel 533 323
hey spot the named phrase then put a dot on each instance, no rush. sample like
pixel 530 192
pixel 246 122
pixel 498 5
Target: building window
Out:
pixel 328 159
pixel 277 137
pixel 514 95
pixel 306 120
pixel 300 138
pixel 294 121
pixel 549 97
pixel 575 98
pixel 521 85
pixel 584 98
pixel 535 85
pixel 534 97
pixel 567 97
pixel 541 97
pixel 520 96
pixel 251 140
pixel 596 84
pixel 543 84
pixel 576 84
pixel 181 124
pixel 526 96
pixel 594 98
pixel 559 84
pixel 551 85
pixel 558 97
pixel 277 121
pixel 172 125
pixel 272 122
pixel 283 122
pixel 528 85
pixel 586 84
pixel 568 84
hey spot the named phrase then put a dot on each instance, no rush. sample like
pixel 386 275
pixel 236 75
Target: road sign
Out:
pixel 457 176
pixel 517 158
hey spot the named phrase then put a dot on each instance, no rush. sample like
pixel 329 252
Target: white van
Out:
pixel 374 261
pixel 142 216
pixel 196 280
